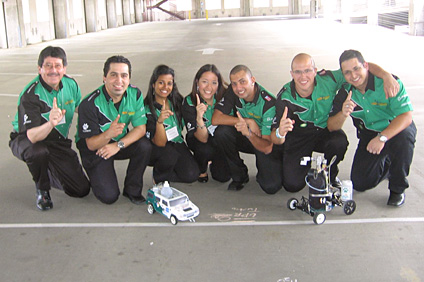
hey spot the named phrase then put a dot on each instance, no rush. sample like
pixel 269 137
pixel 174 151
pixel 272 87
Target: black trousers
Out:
pixel 330 143
pixel 51 164
pixel 102 173
pixel 269 167
pixel 174 163
pixel 209 151
pixel 394 161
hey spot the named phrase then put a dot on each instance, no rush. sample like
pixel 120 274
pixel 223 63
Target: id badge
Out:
pixel 171 133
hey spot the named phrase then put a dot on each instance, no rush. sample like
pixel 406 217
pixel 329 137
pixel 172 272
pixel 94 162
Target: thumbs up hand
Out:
pixel 241 125
pixel 115 128
pixel 348 105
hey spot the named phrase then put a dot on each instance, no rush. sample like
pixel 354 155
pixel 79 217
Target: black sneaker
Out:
pixel 44 202
pixel 238 185
pixel 396 199
pixel 336 183
pixel 137 200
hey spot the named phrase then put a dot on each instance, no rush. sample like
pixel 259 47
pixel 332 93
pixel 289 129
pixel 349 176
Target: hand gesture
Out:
pixel 115 128
pixel 200 108
pixel 286 124
pixel 241 125
pixel 56 114
pixel 348 105
pixel 164 114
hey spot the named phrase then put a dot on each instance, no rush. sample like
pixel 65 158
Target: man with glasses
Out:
pixel 46 108
pixel 300 123
pixel 384 127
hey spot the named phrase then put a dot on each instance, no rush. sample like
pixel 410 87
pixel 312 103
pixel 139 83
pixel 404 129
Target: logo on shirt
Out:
pixel 267 98
pixel 189 125
pixel 85 128
pixel 26 119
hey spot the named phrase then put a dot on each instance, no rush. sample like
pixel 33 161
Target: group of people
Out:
pixel 116 122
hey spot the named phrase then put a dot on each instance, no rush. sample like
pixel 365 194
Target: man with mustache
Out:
pixel 46 107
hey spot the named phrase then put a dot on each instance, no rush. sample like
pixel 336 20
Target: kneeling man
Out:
pixel 384 126
pixel 103 134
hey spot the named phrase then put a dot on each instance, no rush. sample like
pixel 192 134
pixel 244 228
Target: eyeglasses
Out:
pixel 300 72
pixel 51 66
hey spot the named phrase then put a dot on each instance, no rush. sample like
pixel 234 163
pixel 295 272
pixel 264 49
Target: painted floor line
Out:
pixel 209 224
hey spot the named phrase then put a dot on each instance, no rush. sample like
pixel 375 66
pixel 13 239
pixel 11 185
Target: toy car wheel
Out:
pixel 319 218
pixel 292 204
pixel 349 207
pixel 173 219
pixel 150 208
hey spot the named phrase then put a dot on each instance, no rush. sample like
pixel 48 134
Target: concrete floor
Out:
pixel 238 236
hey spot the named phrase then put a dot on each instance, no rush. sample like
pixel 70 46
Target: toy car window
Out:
pixel 178 201
pixel 164 202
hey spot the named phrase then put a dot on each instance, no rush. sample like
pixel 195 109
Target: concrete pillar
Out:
pixel 15 28
pixel 3 37
pixel 246 8
pixel 126 11
pixel 111 14
pixel 91 15
pixel 313 9
pixel 138 10
pixel 61 21
pixel 294 7
pixel 416 17
pixel 372 16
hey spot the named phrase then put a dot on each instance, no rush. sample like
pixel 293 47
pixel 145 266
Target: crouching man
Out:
pixel 384 127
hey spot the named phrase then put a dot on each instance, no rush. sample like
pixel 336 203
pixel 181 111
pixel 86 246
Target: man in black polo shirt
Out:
pixel 46 107
pixel 103 134
pixel 244 117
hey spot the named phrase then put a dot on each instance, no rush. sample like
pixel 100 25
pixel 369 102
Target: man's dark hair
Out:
pixel 351 54
pixel 240 68
pixel 51 51
pixel 116 59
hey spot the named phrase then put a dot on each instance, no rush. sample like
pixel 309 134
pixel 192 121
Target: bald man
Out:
pixel 300 123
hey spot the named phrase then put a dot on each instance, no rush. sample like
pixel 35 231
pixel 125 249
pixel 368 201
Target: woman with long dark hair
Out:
pixel 171 159
pixel 208 89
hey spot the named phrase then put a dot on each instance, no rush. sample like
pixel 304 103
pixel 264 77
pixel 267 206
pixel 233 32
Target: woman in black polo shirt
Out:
pixel 208 88
pixel 171 159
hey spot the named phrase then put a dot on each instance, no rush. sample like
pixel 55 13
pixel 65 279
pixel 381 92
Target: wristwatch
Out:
pixel 121 145
pixel 382 138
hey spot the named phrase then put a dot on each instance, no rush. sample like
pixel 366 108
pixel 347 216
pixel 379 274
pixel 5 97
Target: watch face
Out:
pixel 121 145
pixel 383 138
